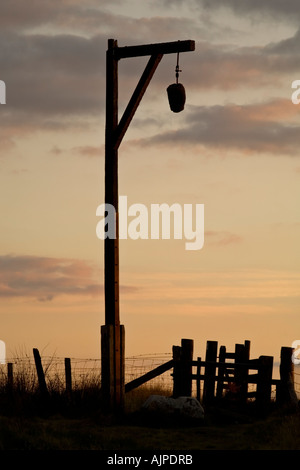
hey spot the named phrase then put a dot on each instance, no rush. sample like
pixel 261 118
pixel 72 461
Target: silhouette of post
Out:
pixel 113 333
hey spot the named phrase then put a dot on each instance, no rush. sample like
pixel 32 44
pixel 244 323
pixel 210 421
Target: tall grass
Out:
pixel 78 420
pixel 23 395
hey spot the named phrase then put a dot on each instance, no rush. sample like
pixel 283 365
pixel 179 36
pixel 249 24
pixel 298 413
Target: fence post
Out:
pixel 187 349
pixel 107 365
pixel 198 380
pixel 10 376
pixel 68 374
pixel 264 382
pixel 182 372
pixel 40 373
pixel 287 394
pixel 241 371
pixel 221 372
pixel 210 371
pixel 176 350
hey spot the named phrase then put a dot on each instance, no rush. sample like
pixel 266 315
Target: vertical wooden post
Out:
pixel 10 376
pixel 113 367
pixel 221 372
pixel 112 342
pixel 182 371
pixel 264 382
pixel 187 349
pixel 121 399
pixel 241 371
pixel 176 351
pixel 210 371
pixel 111 247
pixel 40 373
pixel 68 375
pixel 247 344
pixel 107 365
pixel 286 392
pixel 246 359
pixel 198 382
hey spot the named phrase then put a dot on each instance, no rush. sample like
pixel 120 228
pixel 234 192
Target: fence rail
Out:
pixel 223 373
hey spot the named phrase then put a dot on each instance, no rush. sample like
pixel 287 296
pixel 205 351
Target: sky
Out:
pixel 234 148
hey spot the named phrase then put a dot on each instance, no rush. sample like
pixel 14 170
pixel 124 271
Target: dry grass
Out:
pixel 78 421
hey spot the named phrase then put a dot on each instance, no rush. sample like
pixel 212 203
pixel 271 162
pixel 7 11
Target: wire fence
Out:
pixel 84 372
pixel 87 372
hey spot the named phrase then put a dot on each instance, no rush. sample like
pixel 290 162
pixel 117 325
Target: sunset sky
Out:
pixel 235 149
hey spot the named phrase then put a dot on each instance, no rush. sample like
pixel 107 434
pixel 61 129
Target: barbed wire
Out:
pixel 88 370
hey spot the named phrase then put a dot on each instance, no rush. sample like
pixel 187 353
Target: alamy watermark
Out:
pixel 2 92
pixel 188 222
pixel 2 352
pixel 295 95
pixel 296 352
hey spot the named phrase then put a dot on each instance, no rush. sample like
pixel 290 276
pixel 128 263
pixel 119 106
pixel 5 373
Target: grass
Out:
pixel 28 421
pixel 58 432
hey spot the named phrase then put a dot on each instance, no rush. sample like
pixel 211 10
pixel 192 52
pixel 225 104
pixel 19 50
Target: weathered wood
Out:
pixel 230 355
pixel 68 375
pixel 264 382
pixel 149 376
pixel 113 366
pixel 187 349
pixel 150 49
pixel 111 246
pixel 241 373
pixel 136 98
pixel 40 373
pixel 111 371
pixel 210 371
pixel 221 371
pixel 107 365
pixel 182 374
pixel 114 133
pixel 198 379
pixel 286 390
pixel 120 399
pixel 10 377
pixel 247 345
pixel 253 378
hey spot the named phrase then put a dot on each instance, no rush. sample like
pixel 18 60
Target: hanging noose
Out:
pixel 177 70
pixel 176 92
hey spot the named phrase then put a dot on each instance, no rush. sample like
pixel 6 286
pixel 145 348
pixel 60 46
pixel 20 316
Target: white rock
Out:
pixel 183 407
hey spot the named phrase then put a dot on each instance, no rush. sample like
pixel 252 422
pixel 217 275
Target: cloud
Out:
pixel 54 66
pixel 246 128
pixel 53 75
pixel 44 279
pixel 16 14
pixel 276 8
pixel 226 67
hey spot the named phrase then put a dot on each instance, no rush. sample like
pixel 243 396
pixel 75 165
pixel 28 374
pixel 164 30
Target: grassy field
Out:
pixel 27 423
pixel 60 433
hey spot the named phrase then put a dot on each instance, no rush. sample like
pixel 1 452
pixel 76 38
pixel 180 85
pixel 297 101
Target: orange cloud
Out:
pixel 45 278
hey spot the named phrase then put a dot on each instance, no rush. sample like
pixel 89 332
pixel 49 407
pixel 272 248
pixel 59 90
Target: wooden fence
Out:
pixel 226 374
pixel 222 374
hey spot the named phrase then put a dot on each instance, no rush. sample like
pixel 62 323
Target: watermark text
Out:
pixel 296 352
pixel 188 222
pixel 2 92
pixel 2 352
pixel 296 93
